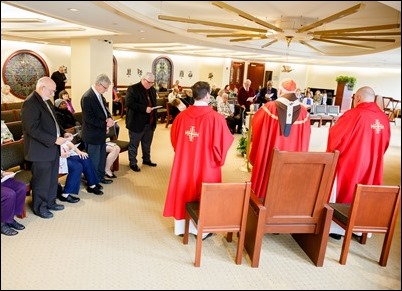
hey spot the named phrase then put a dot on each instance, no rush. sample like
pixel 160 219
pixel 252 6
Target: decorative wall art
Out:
pixel 22 70
pixel 181 74
pixel 190 74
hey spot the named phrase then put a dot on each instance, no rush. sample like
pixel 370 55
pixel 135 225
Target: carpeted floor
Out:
pixel 120 240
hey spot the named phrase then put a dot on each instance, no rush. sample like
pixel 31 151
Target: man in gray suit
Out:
pixel 96 121
pixel 42 140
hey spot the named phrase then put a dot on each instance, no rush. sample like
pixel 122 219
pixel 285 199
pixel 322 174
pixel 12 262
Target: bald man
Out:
pixel 42 140
pixel 282 124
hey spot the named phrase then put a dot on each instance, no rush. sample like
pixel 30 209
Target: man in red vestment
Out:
pixel 362 136
pixel 282 124
pixel 201 140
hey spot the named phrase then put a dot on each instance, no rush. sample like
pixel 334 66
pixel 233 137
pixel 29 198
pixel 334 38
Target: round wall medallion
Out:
pixel 22 70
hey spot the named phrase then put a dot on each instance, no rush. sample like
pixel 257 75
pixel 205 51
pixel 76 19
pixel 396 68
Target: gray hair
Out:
pixel 103 79
pixel 148 76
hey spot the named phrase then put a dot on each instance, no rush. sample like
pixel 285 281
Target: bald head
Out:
pixel 364 94
pixel 45 87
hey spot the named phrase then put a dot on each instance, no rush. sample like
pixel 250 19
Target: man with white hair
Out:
pixel 282 124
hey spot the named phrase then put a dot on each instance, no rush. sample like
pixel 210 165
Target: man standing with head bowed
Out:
pixel 42 140
pixel 96 121
pixel 282 124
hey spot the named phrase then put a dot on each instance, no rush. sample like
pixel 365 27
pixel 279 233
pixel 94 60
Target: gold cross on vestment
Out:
pixel 191 133
pixel 377 126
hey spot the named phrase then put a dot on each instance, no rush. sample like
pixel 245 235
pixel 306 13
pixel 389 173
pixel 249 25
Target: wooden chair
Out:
pixel 223 208
pixel 8 116
pixel 15 128
pixel 169 116
pixel 298 189
pixel 389 107
pixel 374 210
pixel 15 105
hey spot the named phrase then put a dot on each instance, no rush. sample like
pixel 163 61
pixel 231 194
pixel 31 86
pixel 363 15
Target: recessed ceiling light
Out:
pixel 73 9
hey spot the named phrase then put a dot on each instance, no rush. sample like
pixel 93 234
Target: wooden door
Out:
pixel 256 75
pixel 236 74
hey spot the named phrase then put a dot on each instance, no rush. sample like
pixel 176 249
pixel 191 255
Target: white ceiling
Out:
pixel 134 25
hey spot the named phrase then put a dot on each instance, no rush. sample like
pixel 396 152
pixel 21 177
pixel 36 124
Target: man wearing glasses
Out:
pixel 96 120
pixel 141 120
pixel 42 140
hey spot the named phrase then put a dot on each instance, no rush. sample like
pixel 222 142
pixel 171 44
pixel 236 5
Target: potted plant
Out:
pixel 348 80
pixel 242 146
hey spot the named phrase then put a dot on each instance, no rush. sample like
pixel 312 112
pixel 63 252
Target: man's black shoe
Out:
pixel 16 225
pixel 149 163
pixel 44 214
pixel 106 181
pixel 69 199
pixel 94 190
pixel 99 186
pixel 56 207
pixel 335 236
pixel 135 168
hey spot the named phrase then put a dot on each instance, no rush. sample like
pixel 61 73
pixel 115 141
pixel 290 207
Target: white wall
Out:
pixel 386 82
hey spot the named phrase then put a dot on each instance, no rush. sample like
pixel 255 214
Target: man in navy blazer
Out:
pixel 42 140
pixel 96 121
pixel 141 119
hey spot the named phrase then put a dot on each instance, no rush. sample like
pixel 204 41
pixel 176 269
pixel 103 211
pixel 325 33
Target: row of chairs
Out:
pixel 294 207
pixel 11 106
pixel 11 115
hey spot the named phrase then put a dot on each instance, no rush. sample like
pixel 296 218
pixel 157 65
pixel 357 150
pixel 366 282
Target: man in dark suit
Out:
pixel 266 94
pixel 59 77
pixel 141 120
pixel 96 121
pixel 42 140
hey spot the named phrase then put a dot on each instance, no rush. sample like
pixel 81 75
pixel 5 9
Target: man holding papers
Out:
pixel 141 120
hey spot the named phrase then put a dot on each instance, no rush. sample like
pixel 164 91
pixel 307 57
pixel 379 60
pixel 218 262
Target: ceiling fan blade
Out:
pixel 247 38
pixel 397 33
pixel 269 43
pixel 209 23
pixel 212 31
pixel 343 43
pixel 237 35
pixel 359 39
pixel 331 18
pixel 363 28
pixel 310 46
pixel 245 15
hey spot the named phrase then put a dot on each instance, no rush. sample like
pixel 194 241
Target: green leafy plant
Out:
pixel 348 80
pixel 242 145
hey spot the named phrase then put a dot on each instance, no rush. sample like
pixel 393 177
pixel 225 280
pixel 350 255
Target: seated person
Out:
pixel 78 162
pixel 226 111
pixel 163 87
pixel 178 106
pixel 308 101
pixel 116 105
pixel 13 195
pixel 188 97
pixel 6 135
pixel 173 95
pixel 113 151
pixel 66 97
pixel 64 116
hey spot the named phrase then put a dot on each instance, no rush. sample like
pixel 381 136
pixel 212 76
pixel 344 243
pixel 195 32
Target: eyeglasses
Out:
pixel 106 88
pixel 150 83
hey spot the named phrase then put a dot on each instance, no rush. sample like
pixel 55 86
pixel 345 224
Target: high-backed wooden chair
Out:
pixel 222 208
pixel 374 209
pixel 298 189
pixel 15 128
pixel 15 105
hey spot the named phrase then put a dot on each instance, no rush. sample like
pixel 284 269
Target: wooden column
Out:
pixel 343 96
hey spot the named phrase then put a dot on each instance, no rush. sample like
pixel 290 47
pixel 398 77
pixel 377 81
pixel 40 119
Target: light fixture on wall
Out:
pixel 128 72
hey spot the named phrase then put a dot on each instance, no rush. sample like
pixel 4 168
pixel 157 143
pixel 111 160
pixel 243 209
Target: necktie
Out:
pixel 54 118
pixel 101 102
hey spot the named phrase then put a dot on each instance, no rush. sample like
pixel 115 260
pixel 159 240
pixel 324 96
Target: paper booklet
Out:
pixel 5 178
pixel 117 120
pixel 250 99
pixel 157 107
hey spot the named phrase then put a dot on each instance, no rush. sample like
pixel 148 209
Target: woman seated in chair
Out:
pixel 13 195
